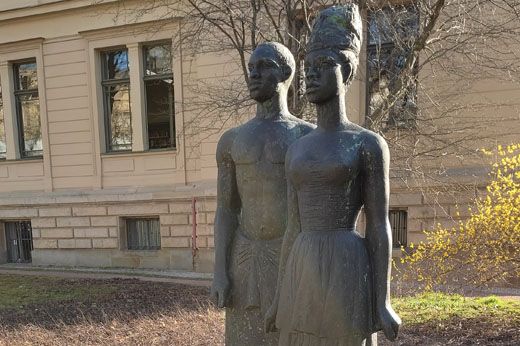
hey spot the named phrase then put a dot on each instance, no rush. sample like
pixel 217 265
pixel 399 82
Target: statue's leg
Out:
pixel 246 327
pixel 372 340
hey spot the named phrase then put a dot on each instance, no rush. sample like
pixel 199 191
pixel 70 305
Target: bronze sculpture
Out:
pixel 251 199
pixel 334 285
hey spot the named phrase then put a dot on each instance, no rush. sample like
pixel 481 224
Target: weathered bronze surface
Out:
pixel 334 285
pixel 251 199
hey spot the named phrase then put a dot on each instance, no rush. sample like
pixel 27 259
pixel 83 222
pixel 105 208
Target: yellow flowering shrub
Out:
pixel 485 247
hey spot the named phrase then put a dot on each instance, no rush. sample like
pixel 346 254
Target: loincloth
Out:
pixel 254 271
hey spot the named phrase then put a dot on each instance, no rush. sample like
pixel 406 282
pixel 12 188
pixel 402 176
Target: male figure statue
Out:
pixel 251 199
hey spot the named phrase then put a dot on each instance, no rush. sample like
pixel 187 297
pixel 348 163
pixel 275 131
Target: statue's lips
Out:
pixel 254 86
pixel 311 88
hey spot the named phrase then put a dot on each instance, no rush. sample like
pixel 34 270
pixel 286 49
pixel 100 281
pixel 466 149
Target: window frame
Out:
pixel 145 78
pixel 17 92
pixel 148 247
pixel 107 83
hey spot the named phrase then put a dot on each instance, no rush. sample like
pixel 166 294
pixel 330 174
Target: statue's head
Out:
pixel 271 70
pixel 333 52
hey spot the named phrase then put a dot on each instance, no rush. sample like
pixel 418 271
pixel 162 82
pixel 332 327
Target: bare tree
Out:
pixel 422 56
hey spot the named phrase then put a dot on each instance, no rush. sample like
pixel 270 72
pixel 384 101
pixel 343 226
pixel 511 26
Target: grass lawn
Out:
pixel 20 291
pixel 51 311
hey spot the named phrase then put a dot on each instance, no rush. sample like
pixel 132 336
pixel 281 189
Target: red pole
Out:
pixel 194 230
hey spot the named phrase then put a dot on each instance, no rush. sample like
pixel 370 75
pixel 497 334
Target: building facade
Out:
pixel 99 166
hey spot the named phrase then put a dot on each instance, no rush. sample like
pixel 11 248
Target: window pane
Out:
pixel 115 64
pixel 159 111
pixel 391 24
pixel 158 59
pixel 26 76
pixel 2 127
pixel 143 234
pixel 384 66
pixel 29 108
pixel 117 102
pixel 391 33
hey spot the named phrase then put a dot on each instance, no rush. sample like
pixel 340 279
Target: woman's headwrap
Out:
pixel 337 27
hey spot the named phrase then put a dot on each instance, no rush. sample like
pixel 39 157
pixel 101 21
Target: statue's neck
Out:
pixel 332 114
pixel 273 108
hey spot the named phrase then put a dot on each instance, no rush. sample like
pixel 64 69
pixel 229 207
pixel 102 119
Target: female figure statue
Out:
pixel 333 284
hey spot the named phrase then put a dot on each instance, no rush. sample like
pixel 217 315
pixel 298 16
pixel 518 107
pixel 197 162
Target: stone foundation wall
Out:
pixel 93 234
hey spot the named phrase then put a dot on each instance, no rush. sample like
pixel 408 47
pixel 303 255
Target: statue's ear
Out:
pixel 286 71
pixel 346 71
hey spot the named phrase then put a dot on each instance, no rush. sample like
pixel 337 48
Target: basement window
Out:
pixel 143 234
pixel 398 222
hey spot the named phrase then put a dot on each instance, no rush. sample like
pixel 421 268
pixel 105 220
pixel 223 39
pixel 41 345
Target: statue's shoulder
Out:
pixel 374 145
pixel 301 125
pixel 225 143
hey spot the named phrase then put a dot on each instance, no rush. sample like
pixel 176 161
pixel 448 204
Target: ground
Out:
pixel 65 311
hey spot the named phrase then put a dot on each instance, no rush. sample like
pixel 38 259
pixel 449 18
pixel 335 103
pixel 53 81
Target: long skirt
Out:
pixel 326 293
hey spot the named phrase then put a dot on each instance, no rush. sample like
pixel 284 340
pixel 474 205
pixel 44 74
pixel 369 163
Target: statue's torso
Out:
pixel 258 152
pixel 326 169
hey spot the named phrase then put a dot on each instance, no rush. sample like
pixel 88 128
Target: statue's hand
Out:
pixel 389 321
pixel 220 290
pixel 270 319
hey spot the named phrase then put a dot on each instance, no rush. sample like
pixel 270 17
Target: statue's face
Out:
pixel 266 74
pixel 323 75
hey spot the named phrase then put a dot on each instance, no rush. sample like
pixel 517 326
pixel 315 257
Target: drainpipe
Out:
pixel 194 248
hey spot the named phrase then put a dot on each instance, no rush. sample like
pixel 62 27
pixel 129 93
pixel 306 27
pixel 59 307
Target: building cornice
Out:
pixel 39 7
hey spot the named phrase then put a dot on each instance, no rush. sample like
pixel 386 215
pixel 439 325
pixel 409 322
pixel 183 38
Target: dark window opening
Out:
pixel 116 100
pixel 143 234
pixel 391 34
pixel 27 108
pixel 398 222
pixel 19 241
pixel 159 95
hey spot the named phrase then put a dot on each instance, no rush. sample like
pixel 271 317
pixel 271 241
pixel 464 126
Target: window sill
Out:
pixel 140 153
pixel 141 252
pixel 22 160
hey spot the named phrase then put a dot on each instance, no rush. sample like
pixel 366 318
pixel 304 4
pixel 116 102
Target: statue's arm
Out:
pixel 293 228
pixel 376 191
pixel 226 218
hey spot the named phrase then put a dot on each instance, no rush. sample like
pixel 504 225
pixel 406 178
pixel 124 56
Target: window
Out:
pixel 391 33
pixel 143 234
pixel 116 99
pixel 18 236
pixel 159 95
pixel 27 108
pixel 3 147
pixel 398 221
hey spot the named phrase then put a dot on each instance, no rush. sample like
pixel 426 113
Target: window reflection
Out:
pixel 160 107
pixel 391 35
pixel 118 102
pixel 158 59
pixel 116 64
pixel 116 94
pixel 27 78
pixel 30 113
pixel 28 108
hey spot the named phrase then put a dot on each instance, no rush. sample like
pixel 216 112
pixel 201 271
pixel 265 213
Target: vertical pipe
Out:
pixel 194 248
